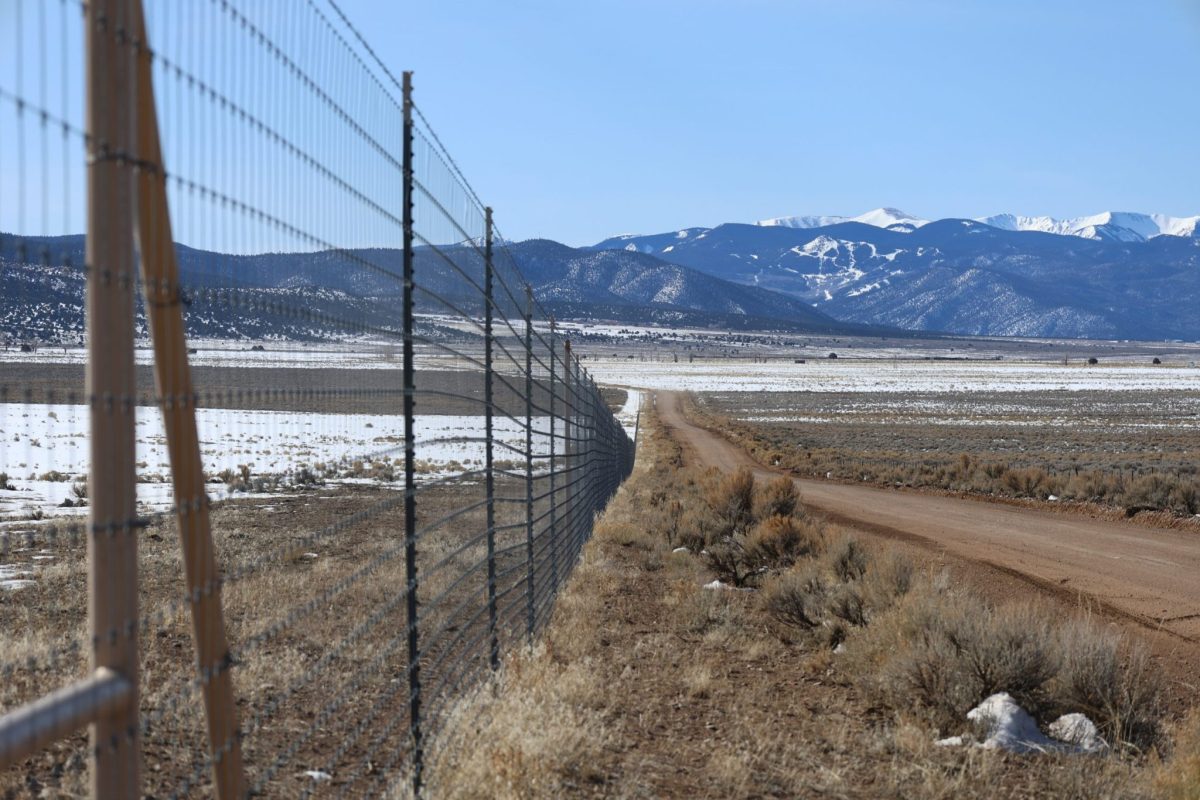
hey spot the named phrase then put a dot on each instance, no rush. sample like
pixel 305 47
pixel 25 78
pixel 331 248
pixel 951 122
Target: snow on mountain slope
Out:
pixel 880 218
pixel 1102 280
pixel 1118 226
pixel 1121 226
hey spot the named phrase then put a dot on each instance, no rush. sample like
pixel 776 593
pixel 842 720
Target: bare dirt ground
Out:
pixel 1143 579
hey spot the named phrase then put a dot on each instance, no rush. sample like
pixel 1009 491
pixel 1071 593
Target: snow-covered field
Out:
pixel 225 353
pixel 844 375
pixel 627 415
pixel 38 441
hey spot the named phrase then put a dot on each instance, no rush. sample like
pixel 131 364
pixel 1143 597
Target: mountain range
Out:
pixel 313 295
pixel 1123 226
pixel 1113 275
pixel 1126 276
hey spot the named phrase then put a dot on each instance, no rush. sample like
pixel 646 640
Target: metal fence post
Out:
pixel 569 450
pixel 113 527
pixel 529 460
pixel 410 482
pixel 488 375
pixel 553 462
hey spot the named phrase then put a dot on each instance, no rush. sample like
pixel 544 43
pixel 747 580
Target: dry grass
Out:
pixel 1179 778
pixel 1000 445
pixel 316 627
pixel 690 692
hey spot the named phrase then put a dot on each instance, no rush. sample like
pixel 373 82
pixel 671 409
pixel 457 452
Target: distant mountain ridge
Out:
pixel 1124 226
pixel 880 218
pixel 233 296
pixel 962 276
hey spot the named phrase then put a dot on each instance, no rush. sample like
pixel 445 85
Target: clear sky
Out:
pixel 578 120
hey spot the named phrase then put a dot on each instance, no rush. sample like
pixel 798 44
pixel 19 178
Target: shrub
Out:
pixel 692 532
pixel 887 581
pixel 1092 486
pixel 304 476
pixel 732 501
pixel 849 560
pixel 848 604
pixel 778 541
pixel 796 597
pixel 1028 482
pixel 5 484
pixel 1121 695
pixel 1160 491
pixel 727 558
pixel 780 497
pixel 959 651
pixel 674 519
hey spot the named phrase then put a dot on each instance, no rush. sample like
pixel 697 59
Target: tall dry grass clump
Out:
pixel 535 731
pixel 1179 778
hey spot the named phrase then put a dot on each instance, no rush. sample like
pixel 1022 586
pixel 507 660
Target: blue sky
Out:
pixel 580 120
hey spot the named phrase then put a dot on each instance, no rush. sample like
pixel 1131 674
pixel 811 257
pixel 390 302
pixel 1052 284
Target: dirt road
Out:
pixel 1150 576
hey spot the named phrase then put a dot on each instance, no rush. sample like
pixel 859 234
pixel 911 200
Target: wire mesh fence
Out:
pixel 393 450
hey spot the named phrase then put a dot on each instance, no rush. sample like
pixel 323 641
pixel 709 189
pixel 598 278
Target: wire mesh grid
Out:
pixel 400 457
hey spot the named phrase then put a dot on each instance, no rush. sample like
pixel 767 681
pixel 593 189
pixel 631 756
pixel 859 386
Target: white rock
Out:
pixel 717 585
pixel 1078 730
pixel 1008 726
pixel 318 775
pixel 680 550
pixel 1053 498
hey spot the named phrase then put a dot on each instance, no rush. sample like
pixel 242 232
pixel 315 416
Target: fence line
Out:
pixel 379 456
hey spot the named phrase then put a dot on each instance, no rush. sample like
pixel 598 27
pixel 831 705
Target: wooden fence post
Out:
pixel 111 388
pixel 173 383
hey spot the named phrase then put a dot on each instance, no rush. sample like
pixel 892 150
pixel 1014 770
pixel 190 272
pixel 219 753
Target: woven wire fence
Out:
pixel 401 457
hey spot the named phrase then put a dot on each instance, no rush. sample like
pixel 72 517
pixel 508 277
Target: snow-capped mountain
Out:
pixel 1121 226
pixel 961 275
pixel 880 218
